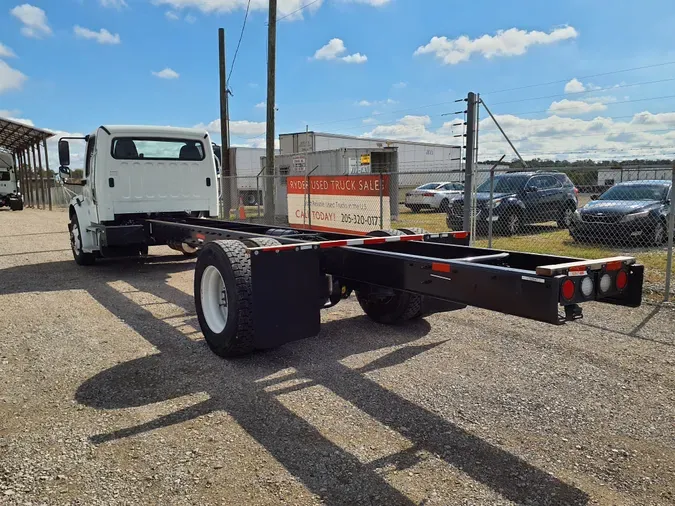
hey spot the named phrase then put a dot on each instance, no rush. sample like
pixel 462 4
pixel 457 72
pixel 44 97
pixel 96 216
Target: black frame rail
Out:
pixel 439 266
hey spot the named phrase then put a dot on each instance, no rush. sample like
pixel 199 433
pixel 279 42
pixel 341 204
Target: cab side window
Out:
pixel 89 162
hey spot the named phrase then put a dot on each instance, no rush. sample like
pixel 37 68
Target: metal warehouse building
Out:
pixel 417 161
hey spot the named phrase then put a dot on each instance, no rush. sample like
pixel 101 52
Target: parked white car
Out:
pixel 433 196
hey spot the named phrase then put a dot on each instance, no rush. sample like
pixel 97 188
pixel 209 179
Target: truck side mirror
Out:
pixel 64 154
pixel 64 170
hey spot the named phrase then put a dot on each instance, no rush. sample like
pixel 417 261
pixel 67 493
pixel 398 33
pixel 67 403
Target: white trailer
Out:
pixel 245 167
pixel 10 196
pixel 418 162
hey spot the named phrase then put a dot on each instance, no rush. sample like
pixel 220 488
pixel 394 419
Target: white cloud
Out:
pixel 575 86
pixel 510 42
pixel 566 107
pixel 400 85
pixel 330 51
pixel 34 20
pixel 646 135
pixel 190 19
pixel 10 78
pixel 167 73
pixel 368 103
pixel 115 4
pixel 647 118
pixel 243 128
pixel 334 49
pixel 103 36
pixel 285 8
pixel 171 15
pixel 261 105
pixel 374 3
pixel 355 58
pixel 6 52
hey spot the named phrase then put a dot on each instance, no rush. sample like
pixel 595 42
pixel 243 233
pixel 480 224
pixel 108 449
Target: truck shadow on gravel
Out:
pixel 183 366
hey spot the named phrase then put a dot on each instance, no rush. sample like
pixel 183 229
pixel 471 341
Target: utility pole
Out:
pixel 471 117
pixel 225 179
pixel 271 83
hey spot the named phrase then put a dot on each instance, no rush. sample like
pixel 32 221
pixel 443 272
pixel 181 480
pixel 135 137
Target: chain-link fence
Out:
pixel 585 212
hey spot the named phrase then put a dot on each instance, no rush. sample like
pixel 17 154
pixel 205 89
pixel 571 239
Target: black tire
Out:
pixel 659 235
pixel 389 310
pixel 413 231
pixel 81 258
pixel 456 226
pixel 415 208
pixel 16 204
pixel 261 242
pixel 385 233
pixel 398 308
pixel 565 217
pixel 231 260
pixel 445 206
pixel 511 224
pixel 251 200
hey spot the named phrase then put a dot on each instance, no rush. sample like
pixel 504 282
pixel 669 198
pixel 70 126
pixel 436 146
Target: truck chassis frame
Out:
pixel 269 283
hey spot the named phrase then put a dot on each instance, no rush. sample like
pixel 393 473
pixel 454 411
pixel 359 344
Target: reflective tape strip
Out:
pixel 337 244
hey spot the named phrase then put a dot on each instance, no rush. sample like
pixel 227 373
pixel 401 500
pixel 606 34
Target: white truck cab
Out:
pixel 131 174
pixel 10 196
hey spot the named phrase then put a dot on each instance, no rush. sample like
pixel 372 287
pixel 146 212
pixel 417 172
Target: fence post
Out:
pixel 257 190
pixel 671 226
pixel 469 164
pixel 382 203
pixel 51 178
pixel 492 192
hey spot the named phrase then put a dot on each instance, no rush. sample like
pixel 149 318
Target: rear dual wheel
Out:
pixel 387 307
pixel 224 295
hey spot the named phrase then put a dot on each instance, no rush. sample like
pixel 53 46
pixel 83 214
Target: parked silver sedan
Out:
pixel 436 196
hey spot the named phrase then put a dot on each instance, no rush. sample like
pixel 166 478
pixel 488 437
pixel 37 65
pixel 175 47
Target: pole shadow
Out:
pixel 183 366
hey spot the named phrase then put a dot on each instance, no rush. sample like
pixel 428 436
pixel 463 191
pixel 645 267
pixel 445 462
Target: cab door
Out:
pixel 89 188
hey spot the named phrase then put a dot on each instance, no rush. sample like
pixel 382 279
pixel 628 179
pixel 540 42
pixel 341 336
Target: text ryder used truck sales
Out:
pixel 339 203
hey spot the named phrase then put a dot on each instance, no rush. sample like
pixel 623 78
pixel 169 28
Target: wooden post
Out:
pixel 37 171
pixel 42 177
pixel 225 179
pixel 269 182
pixel 49 193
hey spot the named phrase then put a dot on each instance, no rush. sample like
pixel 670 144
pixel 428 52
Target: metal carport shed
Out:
pixel 23 142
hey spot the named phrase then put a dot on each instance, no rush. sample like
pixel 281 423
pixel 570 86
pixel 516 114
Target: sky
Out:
pixel 574 79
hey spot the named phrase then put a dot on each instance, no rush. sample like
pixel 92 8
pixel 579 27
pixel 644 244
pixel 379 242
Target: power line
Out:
pixel 296 10
pixel 582 77
pixel 607 105
pixel 241 36
pixel 562 95
pixel 563 136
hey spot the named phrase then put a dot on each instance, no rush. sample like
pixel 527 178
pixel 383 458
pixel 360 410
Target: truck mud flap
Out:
pixel 286 297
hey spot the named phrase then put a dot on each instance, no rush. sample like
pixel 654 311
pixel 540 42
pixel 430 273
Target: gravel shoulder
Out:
pixel 108 395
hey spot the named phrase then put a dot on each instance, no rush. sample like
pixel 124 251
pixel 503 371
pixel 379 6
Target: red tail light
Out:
pixel 576 190
pixel 621 280
pixel 568 289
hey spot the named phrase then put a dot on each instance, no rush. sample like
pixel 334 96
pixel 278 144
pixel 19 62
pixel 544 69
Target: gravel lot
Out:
pixel 108 395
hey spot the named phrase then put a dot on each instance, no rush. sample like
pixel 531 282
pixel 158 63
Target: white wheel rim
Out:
pixel 213 296
pixel 186 248
pixel 75 239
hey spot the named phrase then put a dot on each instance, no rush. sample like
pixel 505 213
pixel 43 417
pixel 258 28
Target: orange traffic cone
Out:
pixel 242 211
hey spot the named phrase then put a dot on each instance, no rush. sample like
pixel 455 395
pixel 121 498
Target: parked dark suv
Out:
pixel 520 198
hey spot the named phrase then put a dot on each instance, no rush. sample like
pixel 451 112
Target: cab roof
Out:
pixel 152 130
